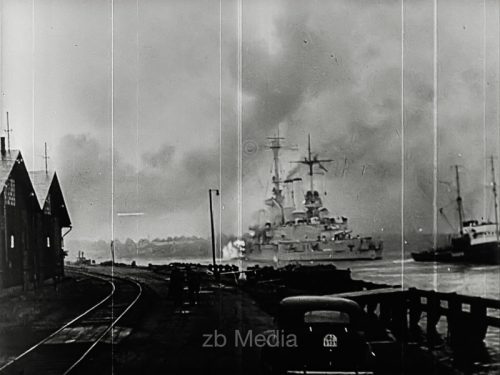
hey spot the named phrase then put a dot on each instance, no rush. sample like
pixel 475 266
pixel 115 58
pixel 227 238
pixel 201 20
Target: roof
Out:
pixel 309 303
pixel 41 181
pixel 6 165
pixel 293 309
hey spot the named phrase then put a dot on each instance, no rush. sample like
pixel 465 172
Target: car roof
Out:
pixel 301 304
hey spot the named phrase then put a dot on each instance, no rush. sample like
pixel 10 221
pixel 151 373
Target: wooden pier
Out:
pixel 467 317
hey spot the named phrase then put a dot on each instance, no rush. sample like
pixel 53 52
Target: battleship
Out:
pixel 305 232
pixel 477 241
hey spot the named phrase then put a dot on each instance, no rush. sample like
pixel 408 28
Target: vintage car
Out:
pixel 323 335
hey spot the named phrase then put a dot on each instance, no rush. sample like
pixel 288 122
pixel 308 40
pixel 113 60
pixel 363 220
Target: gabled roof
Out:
pixel 41 181
pixel 6 164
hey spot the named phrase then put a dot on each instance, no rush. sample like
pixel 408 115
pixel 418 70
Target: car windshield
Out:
pixel 326 316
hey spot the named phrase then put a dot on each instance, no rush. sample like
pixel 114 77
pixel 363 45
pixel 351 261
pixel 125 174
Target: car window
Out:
pixel 326 316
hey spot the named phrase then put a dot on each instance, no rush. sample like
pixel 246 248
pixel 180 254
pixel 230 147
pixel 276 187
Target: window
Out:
pixel 47 209
pixel 48 241
pixel 12 241
pixel 326 316
pixel 10 192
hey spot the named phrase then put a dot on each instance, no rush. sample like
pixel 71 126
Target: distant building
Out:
pixel 32 215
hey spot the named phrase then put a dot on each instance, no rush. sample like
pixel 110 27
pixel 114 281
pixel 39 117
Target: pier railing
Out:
pixel 467 317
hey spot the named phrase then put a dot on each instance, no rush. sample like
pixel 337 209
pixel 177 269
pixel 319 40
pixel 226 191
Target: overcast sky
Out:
pixel 154 83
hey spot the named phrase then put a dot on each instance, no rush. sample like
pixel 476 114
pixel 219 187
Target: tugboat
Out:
pixel 305 233
pixel 476 242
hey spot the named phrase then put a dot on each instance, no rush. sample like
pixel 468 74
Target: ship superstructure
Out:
pixel 308 231
pixel 478 241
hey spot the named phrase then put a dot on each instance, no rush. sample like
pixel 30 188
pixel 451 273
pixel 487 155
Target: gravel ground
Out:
pixel 168 340
pixel 26 317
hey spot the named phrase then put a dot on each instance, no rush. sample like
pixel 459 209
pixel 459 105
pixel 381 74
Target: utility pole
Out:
pixel 216 272
pixel 112 253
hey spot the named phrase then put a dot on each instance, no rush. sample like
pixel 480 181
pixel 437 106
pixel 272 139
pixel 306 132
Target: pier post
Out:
pixel 433 314
pixel 371 307
pixel 400 316
pixel 385 311
pixel 415 311
pixel 455 319
pixel 478 314
pixel 467 330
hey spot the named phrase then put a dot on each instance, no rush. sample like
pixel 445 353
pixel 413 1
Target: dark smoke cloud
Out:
pixel 337 75
pixel 328 68
pixel 162 188
pixel 161 158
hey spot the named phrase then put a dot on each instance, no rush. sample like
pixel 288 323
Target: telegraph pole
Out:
pixel 216 272
pixel 112 248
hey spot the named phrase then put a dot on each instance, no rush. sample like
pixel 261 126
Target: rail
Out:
pixel 80 357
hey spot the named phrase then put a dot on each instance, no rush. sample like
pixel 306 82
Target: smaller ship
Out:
pixel 476 241
pixel 81 260
pixel 308 232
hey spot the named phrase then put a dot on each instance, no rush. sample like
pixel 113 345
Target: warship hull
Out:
pixel 290 251
pixel 304 232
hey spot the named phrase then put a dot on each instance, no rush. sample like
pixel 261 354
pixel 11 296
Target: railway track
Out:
pixel 63 351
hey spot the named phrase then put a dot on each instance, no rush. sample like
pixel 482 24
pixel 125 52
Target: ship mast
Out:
pixel 459 201
pixel 275 147
pixel 310 161
pixel 494 184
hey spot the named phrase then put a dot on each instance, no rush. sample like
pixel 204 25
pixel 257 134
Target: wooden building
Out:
pixel 18 211
pixel 53 218
pixel 31 220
